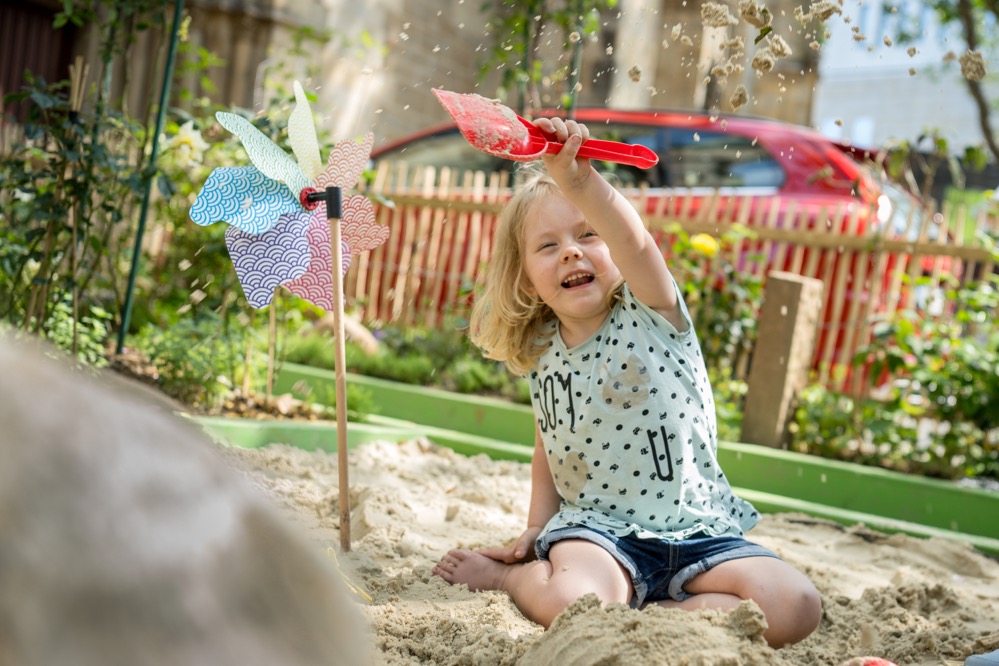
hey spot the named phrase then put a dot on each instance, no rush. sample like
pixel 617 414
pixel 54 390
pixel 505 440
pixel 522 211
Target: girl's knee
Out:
pixel 800 612
pixel 810 608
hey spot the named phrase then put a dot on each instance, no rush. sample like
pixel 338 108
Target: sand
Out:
pixel 913 601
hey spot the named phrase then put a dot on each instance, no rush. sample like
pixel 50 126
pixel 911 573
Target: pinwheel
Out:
pixel 278 234
pixel 289 226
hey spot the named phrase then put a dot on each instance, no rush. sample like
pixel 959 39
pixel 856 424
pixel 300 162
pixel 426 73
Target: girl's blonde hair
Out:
pixel 507 323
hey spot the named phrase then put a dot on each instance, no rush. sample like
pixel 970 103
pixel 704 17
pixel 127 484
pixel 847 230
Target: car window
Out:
pixel 714 159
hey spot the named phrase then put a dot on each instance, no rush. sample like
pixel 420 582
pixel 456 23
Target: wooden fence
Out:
pixel 442 225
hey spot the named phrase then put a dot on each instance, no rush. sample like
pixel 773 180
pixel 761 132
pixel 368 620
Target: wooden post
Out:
pixel 789 322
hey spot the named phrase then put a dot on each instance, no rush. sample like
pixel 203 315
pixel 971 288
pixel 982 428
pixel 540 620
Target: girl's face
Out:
pixel 567 265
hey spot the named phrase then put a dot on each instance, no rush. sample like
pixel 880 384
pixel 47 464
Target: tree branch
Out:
pixel 965 14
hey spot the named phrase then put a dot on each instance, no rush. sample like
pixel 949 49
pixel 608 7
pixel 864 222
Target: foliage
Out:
pixel 67 191
pixel 406 368
pixel 947 367
pixel 72 183
pixel 431 357
pixel 89 332
pixel 359 401
pixel 837 426
pixel 723 297
pixel 936 414
pixel 975 20
pixel 521 28
pixel 730 397
pixel 198 359
pixel 916 163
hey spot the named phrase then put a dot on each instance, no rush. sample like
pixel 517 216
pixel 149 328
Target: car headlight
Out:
pixel 885 208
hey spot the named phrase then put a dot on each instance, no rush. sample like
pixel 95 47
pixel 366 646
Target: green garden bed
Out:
pixel 774 480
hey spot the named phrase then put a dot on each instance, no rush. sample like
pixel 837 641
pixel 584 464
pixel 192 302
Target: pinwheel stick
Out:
pixel 332 197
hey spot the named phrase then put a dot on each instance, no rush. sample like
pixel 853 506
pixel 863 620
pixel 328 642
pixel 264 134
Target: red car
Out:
pixel 702 156
pixel 699 153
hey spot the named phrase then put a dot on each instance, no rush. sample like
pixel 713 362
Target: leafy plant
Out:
pixel 724 299
pixel 88 333
pixel 947 367
pixel 730 396
pixel 938 387
pixel 72 182
pixel 67 191
pixel 433 357
pixel 359 401
pixel 838 426
pixel 198 359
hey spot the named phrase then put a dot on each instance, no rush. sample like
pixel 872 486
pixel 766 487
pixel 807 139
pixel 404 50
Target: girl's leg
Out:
pixel 543 589
pixel 788 599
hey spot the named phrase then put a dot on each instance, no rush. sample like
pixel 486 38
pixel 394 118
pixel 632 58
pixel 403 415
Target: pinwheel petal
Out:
pixel 358 225
pixel 316 285
pixel 265 261
pixel 243 197
pixel 302 135
pixel 346 163
pixel 264 153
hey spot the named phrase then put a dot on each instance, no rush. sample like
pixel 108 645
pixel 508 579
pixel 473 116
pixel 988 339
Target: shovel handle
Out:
pixel 595 149
pixel 612 151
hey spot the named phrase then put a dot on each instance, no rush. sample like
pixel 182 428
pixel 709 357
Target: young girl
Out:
pixel 627 499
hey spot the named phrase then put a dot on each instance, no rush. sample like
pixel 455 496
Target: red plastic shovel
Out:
pixel 495 129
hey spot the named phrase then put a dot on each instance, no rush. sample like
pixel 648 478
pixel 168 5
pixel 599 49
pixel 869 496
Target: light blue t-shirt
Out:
pixel 628 422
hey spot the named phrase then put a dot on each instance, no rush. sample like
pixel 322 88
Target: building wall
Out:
pixel 652 34
pixel 376 73
pixel 867 94
pixel 376 70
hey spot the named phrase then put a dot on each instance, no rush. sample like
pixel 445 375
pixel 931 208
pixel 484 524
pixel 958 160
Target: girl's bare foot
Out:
pixel 473 569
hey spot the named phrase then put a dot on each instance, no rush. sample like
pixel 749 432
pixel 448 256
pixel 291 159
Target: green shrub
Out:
pixel 730 396
pixel 477 375
pixel 315 350
pixel 359 401
pixel 724 299
pixel 406 369
pixel 91 335
pixel 198 359
pixel 947 367
pixel 938 389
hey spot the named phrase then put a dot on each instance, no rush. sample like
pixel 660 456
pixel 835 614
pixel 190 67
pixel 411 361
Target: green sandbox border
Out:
pixel 773 480
pixel 307 435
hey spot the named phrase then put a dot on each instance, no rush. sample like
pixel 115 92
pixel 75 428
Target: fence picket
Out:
pixel 828 262
pixel 442 233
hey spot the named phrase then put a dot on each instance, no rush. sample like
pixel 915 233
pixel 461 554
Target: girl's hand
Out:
pixel 568 170
pixel 520 550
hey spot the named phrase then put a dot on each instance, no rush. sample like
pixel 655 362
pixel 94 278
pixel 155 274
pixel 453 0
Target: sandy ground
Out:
pixel 912 601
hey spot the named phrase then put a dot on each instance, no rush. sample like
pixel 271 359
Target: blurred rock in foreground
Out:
pixel 126 539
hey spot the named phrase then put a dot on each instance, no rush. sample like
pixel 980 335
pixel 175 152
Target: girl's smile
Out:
pixel 568 267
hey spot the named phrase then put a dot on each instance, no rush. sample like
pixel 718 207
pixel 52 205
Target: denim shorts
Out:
pixel 659 569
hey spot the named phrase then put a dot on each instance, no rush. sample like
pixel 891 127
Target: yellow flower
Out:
pixel 188 145
pixel 704 245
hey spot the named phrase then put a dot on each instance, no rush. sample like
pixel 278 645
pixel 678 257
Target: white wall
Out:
pixel 867 86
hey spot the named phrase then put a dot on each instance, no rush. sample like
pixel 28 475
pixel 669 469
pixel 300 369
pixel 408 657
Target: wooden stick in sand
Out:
pixel 271 337
pixel 333 213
